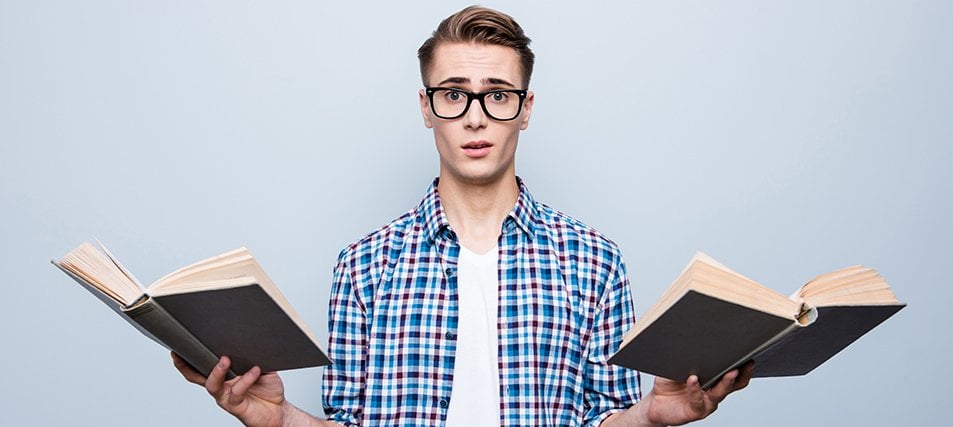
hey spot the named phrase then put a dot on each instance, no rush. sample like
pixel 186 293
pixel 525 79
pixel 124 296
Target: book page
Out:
pixel 101 272
pixel 119 265
pixel 856 285
pixel 188 272
pixel 707 276
pixel 732 287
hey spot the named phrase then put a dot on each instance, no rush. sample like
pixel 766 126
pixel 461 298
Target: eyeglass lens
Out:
pixel 449 103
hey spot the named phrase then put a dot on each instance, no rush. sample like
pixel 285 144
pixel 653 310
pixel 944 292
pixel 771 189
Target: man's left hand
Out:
pixel 675 403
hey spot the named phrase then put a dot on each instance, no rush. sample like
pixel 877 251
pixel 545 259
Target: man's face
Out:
pixel 474 148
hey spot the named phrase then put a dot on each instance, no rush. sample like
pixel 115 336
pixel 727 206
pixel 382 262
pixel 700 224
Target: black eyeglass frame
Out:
pixel 479 96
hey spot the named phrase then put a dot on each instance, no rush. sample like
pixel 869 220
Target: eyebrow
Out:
pixel 466 80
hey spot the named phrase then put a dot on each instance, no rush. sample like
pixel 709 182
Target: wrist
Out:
pixel 644 413
pixel 287 414
pixel 635 415
pixel 292 416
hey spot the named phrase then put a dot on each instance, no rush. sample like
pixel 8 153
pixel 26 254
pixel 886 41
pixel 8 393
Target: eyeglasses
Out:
pixel 502 105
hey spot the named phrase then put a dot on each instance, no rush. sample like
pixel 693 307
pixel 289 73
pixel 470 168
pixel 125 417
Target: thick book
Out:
pixel 712 320
pixel 222 306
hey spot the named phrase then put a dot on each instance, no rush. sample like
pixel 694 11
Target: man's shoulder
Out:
pixel 379 241
pixel 589 260
pixel 563 228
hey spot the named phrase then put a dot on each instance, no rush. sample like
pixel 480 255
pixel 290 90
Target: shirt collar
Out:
pixel 524 215
pixel 430 213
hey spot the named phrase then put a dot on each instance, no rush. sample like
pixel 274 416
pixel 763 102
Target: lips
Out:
pixel 477 144
pixel 477 149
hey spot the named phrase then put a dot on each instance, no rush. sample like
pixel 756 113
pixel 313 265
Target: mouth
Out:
pixel 477 145
pixel 476 149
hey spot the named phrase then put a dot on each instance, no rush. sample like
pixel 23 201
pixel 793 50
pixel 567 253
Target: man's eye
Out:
pixel 454 95
pixel 498 97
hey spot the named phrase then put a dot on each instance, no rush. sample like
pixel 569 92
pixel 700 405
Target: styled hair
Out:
pixel 480 25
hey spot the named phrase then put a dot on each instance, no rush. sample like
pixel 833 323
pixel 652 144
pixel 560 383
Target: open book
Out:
pixel 712 320
pixel 223 306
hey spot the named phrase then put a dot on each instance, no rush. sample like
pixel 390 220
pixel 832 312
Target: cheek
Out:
pixel 443 139
pixel 440 134
pixel 449 132
pixel 511 136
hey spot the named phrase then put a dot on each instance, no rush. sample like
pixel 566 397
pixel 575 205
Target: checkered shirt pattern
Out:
pixel 564 305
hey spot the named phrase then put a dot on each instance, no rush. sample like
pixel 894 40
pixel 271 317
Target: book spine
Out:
pixel 750 356
pixel 166 330
pixel 114 305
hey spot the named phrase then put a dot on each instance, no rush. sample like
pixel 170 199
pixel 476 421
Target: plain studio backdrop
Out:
pixel 786 139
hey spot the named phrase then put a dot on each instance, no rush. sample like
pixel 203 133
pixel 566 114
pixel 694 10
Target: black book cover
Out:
pixel 245 324
pixel 701 335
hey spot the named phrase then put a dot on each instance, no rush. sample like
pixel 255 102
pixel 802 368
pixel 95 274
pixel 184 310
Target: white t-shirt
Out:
pixel 475 400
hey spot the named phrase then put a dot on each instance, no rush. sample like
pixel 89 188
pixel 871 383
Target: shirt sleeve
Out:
pixel 610 388
pixel 343 381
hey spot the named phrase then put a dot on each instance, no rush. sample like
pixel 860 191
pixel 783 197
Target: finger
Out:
pixel 696 396
pixel 724 386
pixel 215 383
pixel 243 384
pixel 744 376
pixel 187 371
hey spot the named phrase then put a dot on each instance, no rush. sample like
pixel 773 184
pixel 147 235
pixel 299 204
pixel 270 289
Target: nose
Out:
pixel 475 118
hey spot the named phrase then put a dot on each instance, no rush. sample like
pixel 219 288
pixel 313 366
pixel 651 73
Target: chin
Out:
pixel 475 173
pixel 485 178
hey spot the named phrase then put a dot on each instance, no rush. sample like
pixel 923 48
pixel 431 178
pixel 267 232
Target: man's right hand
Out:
pixel 254 398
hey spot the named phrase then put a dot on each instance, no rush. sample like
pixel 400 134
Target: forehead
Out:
pixel 476 63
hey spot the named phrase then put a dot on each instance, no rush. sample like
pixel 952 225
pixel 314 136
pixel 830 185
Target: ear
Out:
pixel 425 109
pixel 527 109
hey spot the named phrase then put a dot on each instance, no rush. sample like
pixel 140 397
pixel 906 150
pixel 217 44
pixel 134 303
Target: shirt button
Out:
pixel 450 335
pixel 444 403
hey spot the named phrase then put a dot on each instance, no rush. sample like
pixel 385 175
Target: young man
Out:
pixel 480 306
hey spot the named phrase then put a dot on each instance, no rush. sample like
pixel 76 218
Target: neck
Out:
pixel 476 211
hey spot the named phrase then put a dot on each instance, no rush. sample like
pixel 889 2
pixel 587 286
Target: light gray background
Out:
pixel 786 139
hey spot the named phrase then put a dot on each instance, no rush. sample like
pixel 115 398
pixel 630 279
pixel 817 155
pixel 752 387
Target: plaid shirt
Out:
pixel 564 304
